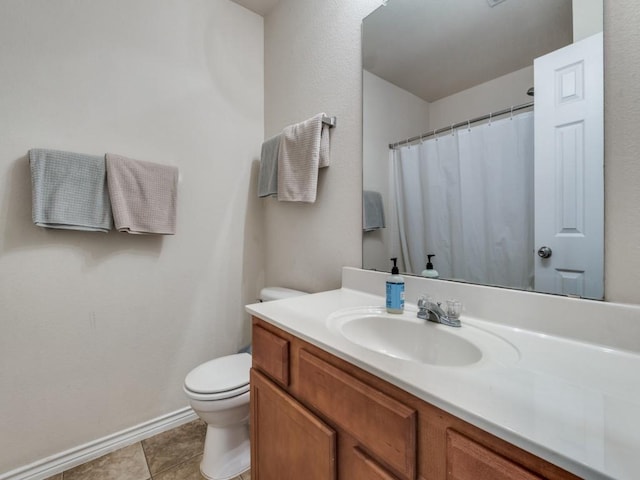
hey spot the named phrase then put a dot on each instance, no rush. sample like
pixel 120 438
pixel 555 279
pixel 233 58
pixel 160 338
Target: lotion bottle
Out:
pixel 395 290
pixel 430 272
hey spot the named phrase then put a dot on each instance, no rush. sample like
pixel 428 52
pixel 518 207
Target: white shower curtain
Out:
pixel 467 197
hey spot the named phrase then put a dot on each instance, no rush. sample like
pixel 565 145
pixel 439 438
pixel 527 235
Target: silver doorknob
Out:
pixel 544 252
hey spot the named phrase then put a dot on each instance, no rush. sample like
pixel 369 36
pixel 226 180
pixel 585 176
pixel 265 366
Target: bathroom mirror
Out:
pixel 466 160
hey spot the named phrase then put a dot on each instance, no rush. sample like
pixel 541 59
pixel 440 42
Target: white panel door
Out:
pixel 569 179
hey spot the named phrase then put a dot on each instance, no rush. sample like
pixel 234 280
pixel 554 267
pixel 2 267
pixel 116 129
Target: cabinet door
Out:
pixel 287 441
pixel 468 460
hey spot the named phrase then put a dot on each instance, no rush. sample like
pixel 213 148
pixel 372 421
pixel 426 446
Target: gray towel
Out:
pixel 304 148
pixel 268 174
pixel 69 191
pixel 373 211
pixel 144 195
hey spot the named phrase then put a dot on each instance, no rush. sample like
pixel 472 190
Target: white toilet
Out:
pixel 218 392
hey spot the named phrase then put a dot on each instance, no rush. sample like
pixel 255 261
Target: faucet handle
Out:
pixel 423 300
pixel 423 304
pixel 453 308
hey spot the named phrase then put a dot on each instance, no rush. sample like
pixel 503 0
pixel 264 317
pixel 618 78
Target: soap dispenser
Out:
pixel 395 290
pixel 430 272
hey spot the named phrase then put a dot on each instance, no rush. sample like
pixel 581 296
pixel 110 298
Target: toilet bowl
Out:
pixel 218 391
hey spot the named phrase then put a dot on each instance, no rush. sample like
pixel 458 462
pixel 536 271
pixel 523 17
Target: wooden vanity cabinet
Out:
pixel 315 416
pixel 288 441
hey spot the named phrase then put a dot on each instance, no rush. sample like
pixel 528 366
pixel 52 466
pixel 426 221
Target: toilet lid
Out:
pixel 220 374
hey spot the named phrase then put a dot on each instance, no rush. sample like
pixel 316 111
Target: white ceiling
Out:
pixel 434 48
pixel 261 7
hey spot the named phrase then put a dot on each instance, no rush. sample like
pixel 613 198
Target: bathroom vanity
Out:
pixel 342 422
pixel 329 400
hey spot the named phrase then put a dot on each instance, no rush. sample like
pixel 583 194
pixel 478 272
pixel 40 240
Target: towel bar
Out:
pixel 331 121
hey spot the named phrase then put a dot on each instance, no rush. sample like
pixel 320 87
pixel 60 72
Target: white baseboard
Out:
pixel 89 451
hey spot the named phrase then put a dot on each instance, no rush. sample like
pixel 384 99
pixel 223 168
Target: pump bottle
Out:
pixel 430 272
pixel 395 290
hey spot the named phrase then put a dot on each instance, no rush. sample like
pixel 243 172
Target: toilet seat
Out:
pixel 210 397
pixel 220 378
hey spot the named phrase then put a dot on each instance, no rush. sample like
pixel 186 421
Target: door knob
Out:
pixel 544 252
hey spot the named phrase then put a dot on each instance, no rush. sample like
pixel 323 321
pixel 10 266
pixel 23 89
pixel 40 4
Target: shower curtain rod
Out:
pixel 461 124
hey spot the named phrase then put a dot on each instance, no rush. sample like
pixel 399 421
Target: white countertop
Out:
pixel 573 403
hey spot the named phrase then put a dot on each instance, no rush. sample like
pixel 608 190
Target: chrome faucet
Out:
pixel 432 311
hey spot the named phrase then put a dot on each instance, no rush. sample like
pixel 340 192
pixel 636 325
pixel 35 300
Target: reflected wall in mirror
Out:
pixel 461 161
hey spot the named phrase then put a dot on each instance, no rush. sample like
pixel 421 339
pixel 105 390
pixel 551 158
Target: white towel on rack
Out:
pixel 304 148
pixel 69 191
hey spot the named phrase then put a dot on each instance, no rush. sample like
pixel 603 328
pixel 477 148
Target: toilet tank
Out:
pixel 278 293
pixel 268 294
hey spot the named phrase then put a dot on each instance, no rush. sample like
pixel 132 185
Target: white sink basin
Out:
pixel 409 338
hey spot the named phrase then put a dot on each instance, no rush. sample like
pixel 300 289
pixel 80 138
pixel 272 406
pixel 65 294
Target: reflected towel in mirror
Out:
pixel 268 174
pixel 373 211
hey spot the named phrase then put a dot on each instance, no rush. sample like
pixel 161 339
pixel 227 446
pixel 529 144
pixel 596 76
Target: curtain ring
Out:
pixel 490 115
pixel 469 125
pixel 452 134
pixel 511 112
pixel 435 134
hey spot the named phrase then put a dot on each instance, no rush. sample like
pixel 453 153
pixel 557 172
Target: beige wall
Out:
pixel 587 18
pixel 312 64
pixel 622 151
pixel 97 331
pixel 491 96
pixel 312 52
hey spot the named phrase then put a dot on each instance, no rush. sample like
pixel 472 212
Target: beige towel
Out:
pixel 143 195
pixel 304 148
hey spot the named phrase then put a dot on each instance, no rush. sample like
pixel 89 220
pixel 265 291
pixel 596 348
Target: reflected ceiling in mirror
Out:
pixel 429 64
pixel 434 49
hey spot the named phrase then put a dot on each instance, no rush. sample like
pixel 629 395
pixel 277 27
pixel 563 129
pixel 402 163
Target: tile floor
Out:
pixel 172 455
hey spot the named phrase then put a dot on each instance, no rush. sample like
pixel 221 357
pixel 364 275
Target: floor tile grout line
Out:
pixel 169 467
pixel 146 460
pixel 172 466
pixel 184 460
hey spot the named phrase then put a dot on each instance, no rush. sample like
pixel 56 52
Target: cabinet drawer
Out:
pixel 468 460
pixel 385 427
pixel 271 354
pixel 364 467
